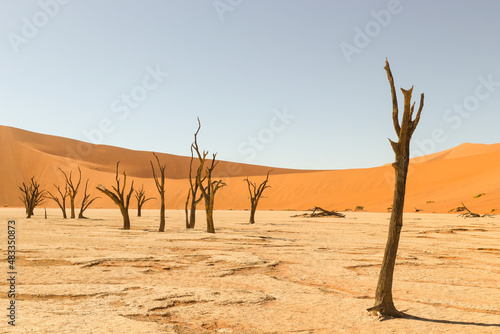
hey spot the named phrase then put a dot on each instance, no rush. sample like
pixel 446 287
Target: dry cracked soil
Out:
pixel 281 275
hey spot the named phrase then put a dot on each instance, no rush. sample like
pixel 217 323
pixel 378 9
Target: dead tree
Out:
pixel 210 188
pixel 119 197
pixel 86 201
pixel 62 201
pixel 32 196
pixel 469 213
pixel 140 195
pixel 320 212
pixel 72 189
pixel 160 186
pixel 383 299
pixel 192 197
pixel 256 194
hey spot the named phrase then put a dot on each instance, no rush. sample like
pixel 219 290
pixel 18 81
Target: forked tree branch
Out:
pixel 408 125
pixel 395 116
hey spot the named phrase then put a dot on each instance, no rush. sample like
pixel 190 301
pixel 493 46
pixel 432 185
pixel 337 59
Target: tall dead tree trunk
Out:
pixel 72 189
pixel 32 196
pixel 60 202
pixel 140 195
pixel 160 185
pixel 192 198
pixel 255 195
pixel 186 207
pixel 383 299
pixel 119 197
pixel 195 199
pixel 86 201
pixel 209 190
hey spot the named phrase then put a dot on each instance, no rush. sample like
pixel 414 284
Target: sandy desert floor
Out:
pixel 281 275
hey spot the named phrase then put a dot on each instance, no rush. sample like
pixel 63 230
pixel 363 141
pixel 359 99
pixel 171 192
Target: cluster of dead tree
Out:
pixel 204 183
pixel 120 195
pixel 202 186
pixel 32 195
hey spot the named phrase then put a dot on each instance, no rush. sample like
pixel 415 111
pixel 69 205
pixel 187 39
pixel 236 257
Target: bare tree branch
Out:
pixel 119 197
pixel 209 190
pixel 60 202
pixel 86 201
pixel 140 195
pixel 160 186
pixel 395 117
pixel 31 196
pixel 255 194
pixel 72 189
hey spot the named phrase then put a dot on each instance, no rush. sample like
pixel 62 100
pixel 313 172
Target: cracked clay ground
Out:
pixel 282 275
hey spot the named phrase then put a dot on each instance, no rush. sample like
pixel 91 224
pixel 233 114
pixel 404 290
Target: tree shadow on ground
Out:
pixel 442 321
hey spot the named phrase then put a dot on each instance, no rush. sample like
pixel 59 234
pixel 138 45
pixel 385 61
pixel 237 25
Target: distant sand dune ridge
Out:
pixel 436 183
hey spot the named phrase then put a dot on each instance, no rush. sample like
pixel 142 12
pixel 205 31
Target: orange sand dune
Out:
pixel 437 182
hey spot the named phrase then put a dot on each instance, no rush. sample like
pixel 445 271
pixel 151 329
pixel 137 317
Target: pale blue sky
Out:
pixel 68 67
